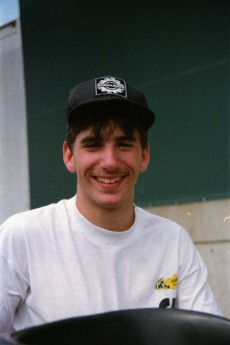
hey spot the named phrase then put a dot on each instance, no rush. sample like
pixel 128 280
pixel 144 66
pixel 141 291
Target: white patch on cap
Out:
pixel 110 86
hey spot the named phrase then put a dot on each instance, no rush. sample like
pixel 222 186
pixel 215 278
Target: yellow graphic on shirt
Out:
pixel 169 283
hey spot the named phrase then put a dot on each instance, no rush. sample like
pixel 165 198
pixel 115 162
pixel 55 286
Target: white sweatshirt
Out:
pixel 55 264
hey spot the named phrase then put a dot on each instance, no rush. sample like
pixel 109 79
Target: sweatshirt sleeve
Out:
pixel 194 292
pixel 13 268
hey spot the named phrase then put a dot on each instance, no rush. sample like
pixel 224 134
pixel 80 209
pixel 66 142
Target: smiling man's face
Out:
pixel 107 168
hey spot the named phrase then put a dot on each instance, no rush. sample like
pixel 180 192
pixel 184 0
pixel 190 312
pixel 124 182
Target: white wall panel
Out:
pixel 14 173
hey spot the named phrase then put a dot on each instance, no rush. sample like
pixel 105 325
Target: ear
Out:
pixel 68 158
pixel 145 159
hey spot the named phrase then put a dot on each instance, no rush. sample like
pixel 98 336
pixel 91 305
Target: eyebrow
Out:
pixel 126 138
pixel 88 139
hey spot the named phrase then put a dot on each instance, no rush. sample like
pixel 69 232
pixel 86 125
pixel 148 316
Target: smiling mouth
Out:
pixel 109 180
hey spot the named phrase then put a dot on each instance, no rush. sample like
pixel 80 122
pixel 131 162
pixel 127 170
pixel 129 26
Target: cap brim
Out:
pixel 113 107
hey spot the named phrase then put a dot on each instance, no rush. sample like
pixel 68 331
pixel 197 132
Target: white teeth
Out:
pixel 109 181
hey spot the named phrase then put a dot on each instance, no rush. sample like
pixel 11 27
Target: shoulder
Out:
pixel 169 233
pixel 162 227
pixel 28 220
pixel 27 234
pixel 155 221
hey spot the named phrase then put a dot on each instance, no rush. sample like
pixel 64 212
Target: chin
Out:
pixel 112 204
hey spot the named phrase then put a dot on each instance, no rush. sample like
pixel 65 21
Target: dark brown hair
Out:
pixel 99 123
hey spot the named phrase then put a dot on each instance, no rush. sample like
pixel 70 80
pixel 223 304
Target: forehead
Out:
pixel 107 133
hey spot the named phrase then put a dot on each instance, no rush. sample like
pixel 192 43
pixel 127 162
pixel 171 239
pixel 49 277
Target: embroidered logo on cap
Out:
pixel 110 86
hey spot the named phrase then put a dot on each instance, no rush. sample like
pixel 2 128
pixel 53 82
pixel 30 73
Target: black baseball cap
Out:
pixel 109 95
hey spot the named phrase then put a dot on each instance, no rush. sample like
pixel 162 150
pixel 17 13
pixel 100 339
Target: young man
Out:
pixel 97 251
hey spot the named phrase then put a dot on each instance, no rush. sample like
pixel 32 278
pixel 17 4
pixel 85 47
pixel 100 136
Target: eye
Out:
pixel 125 144
pixel 92 146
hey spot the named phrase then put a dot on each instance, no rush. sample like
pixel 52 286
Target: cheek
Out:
pixel 136 165
pixel 140 163
pixel 82 163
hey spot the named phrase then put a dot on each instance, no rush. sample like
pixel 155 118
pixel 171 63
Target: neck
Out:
pixel 113 219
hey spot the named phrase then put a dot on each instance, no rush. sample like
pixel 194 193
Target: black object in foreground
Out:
pixel 131 327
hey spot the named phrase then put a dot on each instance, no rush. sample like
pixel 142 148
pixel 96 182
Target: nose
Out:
pixel 109 159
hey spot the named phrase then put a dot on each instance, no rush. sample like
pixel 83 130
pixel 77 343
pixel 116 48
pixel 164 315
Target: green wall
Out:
pixel 177 52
